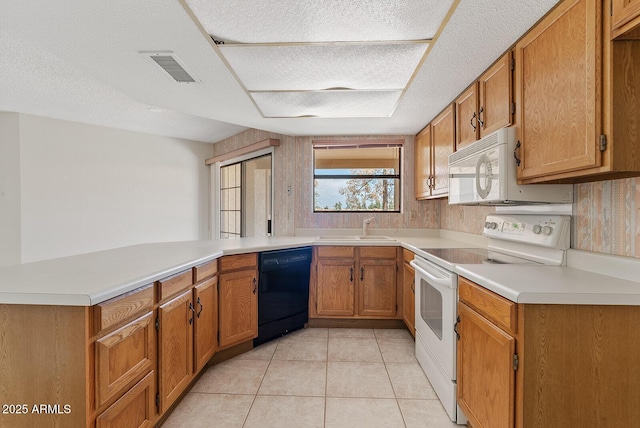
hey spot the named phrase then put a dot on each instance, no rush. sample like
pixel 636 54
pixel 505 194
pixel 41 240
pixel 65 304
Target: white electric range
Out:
pixel 524 238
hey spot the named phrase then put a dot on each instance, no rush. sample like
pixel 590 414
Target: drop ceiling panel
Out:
pixel 325 66
pixel 275 21
pixel 332 104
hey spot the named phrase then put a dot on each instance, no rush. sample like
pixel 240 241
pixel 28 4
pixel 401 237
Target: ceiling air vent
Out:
pixel 171 66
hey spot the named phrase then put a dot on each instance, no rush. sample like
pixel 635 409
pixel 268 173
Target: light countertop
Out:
pixel 88 279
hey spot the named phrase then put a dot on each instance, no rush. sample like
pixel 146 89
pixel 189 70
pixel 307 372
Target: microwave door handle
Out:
pixel 433 280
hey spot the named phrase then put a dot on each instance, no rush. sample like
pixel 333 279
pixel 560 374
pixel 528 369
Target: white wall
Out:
pixel 87 188
pixel 9 189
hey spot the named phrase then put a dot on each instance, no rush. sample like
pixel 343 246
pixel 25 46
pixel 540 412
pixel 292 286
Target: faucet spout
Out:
pixel 365 225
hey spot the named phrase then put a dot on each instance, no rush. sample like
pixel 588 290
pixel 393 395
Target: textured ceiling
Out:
pixel 80 60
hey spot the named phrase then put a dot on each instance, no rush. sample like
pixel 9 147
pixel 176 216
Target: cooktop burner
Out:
pixel 472 256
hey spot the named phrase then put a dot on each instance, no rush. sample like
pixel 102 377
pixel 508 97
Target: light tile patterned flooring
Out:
pixel 317 377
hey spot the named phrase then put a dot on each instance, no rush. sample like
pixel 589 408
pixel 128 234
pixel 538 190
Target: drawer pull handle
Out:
pixel 471 122
pixel 255 286
pixel 518 161
pixel 480 121
pixel 413 286
pixel 455 327
pixel 361 273
pixel 192 312
pixel 201 308
pixel 351 274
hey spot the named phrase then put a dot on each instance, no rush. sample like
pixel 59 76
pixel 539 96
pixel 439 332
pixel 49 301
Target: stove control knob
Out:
pixel 547 230
pixel 494 225
pixel 487 225
pixel 537 229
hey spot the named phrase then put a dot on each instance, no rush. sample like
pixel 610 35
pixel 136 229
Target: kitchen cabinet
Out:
pixel 576 99
pixel 206 321
pixel 533 365
pixel 422 164
pixel 354 282
pixel 175 347
pixel 443 141
pixel 134 410
pixel 408 292
pixel 487 105
pixel 237 299
pixel 625 16
pixel 433 146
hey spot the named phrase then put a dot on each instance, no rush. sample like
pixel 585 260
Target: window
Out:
pixel 356 176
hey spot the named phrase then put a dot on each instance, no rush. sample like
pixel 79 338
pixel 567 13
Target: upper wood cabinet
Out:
pixel 577 99
pixel 422 165
pixel 623 13
pixel 443 140
pixel 487 105
pixel 237 299
pixel 558 92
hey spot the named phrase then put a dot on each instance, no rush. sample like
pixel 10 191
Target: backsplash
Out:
pixel 605 215
pixel 604 212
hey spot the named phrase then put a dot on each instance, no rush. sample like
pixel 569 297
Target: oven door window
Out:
pixel 431 307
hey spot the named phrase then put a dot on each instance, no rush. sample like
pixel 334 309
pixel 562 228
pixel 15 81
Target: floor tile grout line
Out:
pixel 246 418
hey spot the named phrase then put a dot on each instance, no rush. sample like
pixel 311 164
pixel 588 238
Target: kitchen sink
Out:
pixel 376 237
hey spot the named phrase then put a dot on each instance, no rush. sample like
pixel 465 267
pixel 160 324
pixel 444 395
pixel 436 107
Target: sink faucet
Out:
pixel 365 225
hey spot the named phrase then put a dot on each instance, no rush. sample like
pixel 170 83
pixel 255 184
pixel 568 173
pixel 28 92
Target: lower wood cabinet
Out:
pixel 409 292
pixel 175 347
pixel 135 409
pixel 541 365
pixel 237 300
pixel 123 357
pixel 354 282
pixel 206 322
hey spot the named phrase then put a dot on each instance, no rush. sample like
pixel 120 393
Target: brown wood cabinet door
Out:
pixel 134 409
pixel 558 91
pixel 467 130
pixel 409 298
pixel 623 12
pixel 206 323
pixel 175 347
pixel 495 88
pixel 443 139
pixel 238 307
pixel 423 163
pixel 335 289
pixel 486 379
pixel 377 288
pixel 123 357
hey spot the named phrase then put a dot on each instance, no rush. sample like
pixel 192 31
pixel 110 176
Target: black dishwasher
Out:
pixel 283 292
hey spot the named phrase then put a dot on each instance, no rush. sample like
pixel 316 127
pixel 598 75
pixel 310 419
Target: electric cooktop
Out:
pixel 472 256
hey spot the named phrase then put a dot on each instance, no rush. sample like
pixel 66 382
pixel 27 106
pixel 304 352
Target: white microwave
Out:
pixel 484 173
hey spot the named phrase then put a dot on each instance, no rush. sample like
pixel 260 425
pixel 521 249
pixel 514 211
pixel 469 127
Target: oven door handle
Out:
pixel 433 280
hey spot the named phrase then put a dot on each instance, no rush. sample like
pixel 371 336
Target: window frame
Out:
pixel 359 144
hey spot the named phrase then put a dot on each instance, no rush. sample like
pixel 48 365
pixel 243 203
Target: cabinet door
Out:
pixel 423 163
pixel 377 288
pixel 133 410
pixel 495 87
pixel 467 117
pixel 335 288
pixel 123 357
pixel 558 91
pixel 486 379
pixel 238 307
pixel 443 140
pixel 175 347
pixel 624 11
pixel 206 323
pixel 409 298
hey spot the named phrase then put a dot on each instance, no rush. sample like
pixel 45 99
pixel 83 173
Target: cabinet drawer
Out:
pixel 205 270
pixel 240 261
pixel 167 287
pixel 133 410
pixel 329 251
pixel 113 311
pixel 377 252
pixel 496 308
pixel 124 356
pixel 407 255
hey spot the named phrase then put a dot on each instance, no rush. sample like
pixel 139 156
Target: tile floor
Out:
pixel 317 377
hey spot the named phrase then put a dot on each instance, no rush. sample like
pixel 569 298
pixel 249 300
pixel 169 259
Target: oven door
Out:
pixel 436 299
